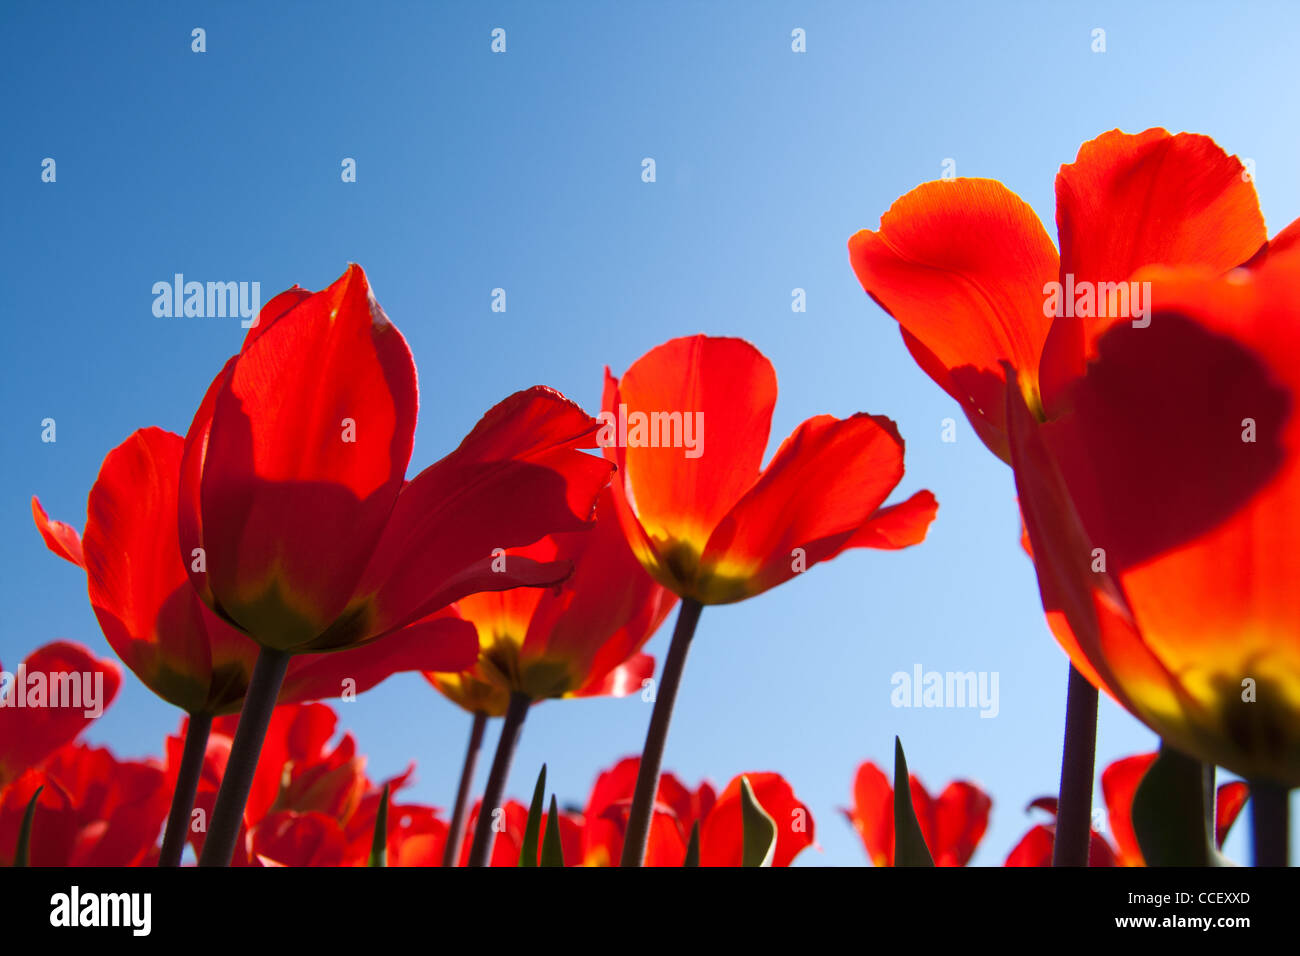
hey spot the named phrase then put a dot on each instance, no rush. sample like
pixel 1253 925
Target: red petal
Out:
pixel 961 816
pixel 1129 201
pixel 962 265
pixel 1230 799
pixel 516 477
pixel 873 813
pixel 1119 784
pixel 60 538
pixel 821 489
pixel 722 831
pixel 53 703
pixel 437 643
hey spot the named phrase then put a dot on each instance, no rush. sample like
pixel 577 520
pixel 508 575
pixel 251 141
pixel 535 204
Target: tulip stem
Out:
pixel 647 778
pixel 1270 822
pixel 451 853
pixel 259 703
pixel 197 729
pixel 484 835
pixel 1074 804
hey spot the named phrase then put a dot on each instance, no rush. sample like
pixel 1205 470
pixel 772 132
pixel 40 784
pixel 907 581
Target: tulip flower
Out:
pixel 49 700
pixel 581 639
pixel 1160 539
pixel 1119 784
pixel 1037 847
pixel 93 810
pixel 297 526
pixel 311 803
pixel 952 824
pixel 687 426
pixel 509 842
pixel 678 810
pixel 983 299
pixel 178 647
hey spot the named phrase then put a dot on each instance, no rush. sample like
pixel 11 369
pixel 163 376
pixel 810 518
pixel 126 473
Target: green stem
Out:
pixel 451 853
pixel 647 778
pixel 259 704
pixel 484 835
pixel 197 729
pixel 1074 804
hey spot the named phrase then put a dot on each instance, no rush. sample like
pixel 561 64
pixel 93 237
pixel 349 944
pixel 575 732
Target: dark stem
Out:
pixel 259 702
pixel 1074 806
pixel 484 836
pixel 187 784
pixel 451 854
pixel 1270 822
pixel 647 778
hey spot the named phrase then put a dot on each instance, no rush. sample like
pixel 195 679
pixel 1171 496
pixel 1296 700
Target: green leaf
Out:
pixel 528 852
pixel 759 842
pixel 1173 812
pixel 552 849
pixel 693 848
pixel 23 856
pixel 379 843
pixel 909 843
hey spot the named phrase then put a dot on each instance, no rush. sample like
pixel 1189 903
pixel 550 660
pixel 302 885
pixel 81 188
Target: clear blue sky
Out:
pixel 523 171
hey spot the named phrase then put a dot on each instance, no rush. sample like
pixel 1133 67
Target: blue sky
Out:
pixel 522 171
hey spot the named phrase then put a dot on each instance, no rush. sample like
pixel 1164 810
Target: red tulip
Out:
pixel 952 824
pixel 967 269
pixel 579 639
pixel 1036 847
pixel 95 810
pixel 513 821
pixel 1163 540
pixel 154 620
pixel 1119 784
pixel 45 704
pixel 701 516
pixel 678 809
pixel 311 804
pixel 295 522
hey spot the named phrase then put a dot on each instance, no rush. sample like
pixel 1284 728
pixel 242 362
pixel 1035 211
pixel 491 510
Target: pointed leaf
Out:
pixel 759 829
pixel 379 845
pixel 909 843
pixel 552 849
pixel 528 851
pixel 22 855
pixel 693 848
pixel 1170 816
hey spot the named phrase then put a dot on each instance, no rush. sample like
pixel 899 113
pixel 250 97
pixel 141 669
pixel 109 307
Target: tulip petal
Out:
pixel 722 836
pixel 821 489
pixel 47 703
pixel 963 266
pixel 60 538
pixel 516 477
pixel 1129 201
